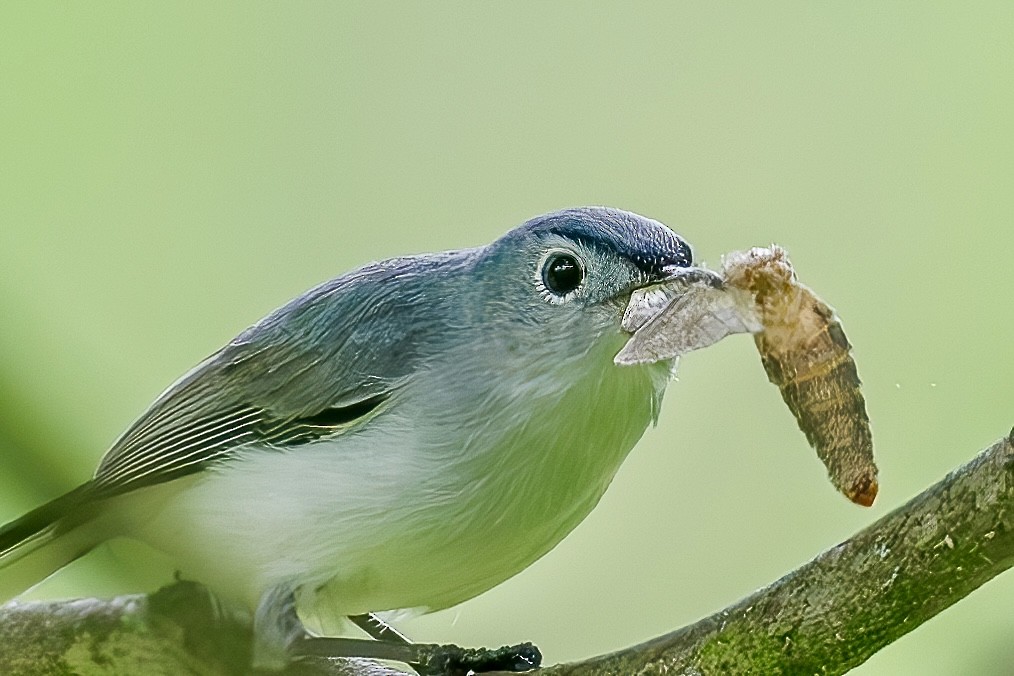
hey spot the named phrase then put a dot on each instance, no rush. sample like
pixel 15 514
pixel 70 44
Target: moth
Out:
pixel 800 339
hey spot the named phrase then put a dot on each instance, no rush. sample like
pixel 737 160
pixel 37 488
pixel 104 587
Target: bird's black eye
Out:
pixel 562 273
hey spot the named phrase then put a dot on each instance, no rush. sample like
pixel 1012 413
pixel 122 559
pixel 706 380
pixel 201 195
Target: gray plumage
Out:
pixel 406 435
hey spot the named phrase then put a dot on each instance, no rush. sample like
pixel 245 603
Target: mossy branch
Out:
pixel 826 617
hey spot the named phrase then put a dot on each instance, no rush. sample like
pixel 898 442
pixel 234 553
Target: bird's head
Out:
pixel 568 275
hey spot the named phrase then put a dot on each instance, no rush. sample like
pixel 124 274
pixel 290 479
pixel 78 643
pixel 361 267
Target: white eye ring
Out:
pixel 559 275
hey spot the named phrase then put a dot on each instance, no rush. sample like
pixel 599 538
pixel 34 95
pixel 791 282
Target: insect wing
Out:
pixel 697 318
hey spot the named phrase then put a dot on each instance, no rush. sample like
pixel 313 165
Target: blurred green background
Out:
pixel 169 172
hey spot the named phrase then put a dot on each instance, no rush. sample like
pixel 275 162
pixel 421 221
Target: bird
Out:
pixel 405 436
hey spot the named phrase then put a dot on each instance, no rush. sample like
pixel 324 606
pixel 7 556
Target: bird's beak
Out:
pixel 680 275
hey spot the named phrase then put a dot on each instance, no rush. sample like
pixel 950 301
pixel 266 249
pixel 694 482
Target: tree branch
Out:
pixel 836 611
pixel 826 617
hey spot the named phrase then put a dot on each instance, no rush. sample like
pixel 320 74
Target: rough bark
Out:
pixel 826 617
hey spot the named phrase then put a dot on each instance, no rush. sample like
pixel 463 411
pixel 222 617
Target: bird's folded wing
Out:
pixel 316 368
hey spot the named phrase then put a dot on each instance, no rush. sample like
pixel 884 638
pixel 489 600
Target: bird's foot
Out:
pixel 429 659
pixel 451 660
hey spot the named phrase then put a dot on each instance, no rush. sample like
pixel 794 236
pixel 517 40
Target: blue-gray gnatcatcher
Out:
pixel 405 436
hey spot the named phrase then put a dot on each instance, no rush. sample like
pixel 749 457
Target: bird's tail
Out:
pixel 44 540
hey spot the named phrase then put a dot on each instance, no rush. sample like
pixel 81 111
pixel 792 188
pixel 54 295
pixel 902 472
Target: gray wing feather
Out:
pixel 314 368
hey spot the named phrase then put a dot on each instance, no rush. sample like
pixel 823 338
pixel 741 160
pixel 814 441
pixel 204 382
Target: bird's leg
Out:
pixel 281 638
pixel 276 627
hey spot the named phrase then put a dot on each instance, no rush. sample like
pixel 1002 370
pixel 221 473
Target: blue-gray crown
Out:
pixel 648 244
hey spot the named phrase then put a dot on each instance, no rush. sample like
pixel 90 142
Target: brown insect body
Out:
pixel 800 340
pixel 806 354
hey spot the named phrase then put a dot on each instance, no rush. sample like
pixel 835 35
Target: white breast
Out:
pixel 450 492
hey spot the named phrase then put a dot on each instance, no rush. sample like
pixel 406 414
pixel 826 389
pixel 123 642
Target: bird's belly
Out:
pixel 442 552
pixel 480 514
pixel 382 520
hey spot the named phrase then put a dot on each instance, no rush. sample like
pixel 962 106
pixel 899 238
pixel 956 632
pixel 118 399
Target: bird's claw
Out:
pixel 452 660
